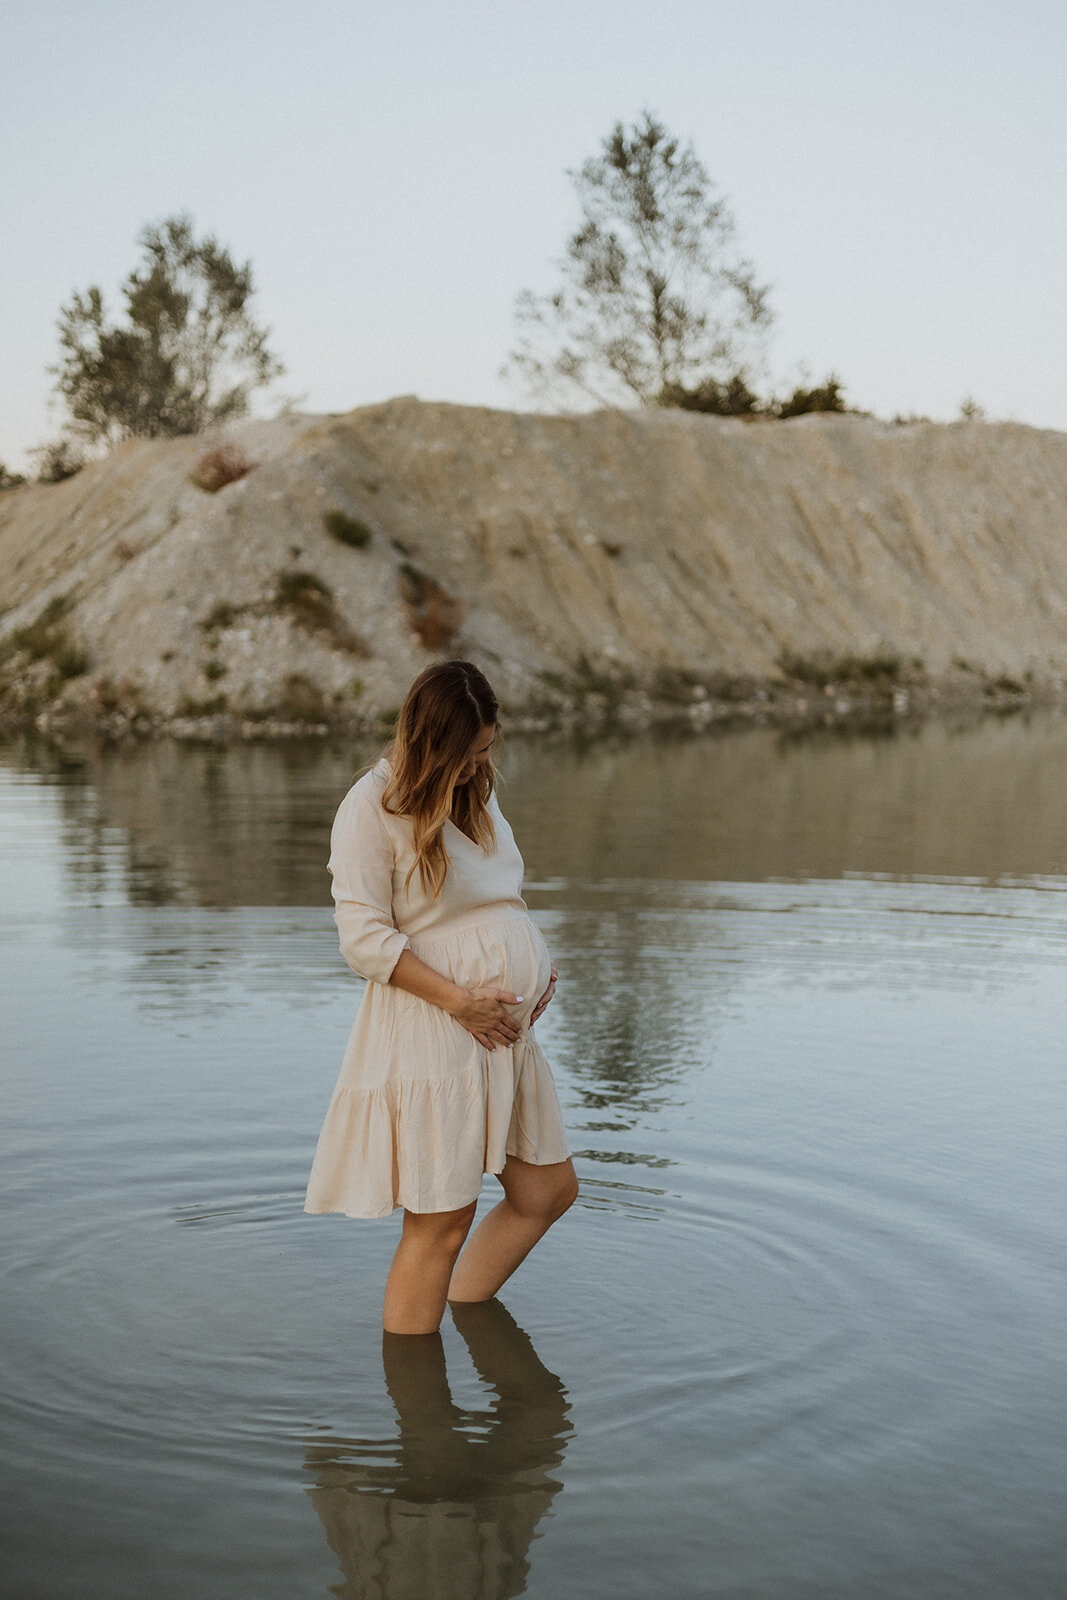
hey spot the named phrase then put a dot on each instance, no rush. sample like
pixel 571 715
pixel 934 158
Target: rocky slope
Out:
pixel 613 560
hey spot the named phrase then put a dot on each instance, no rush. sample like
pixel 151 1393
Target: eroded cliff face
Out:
pixel 563 553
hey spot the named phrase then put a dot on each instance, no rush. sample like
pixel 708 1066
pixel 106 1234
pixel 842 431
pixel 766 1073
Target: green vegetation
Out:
pixel 588 680
pixel 305 595
pixel 69 660
pixel 214 669
pixel 686 687
pixel 47 639
pixel 301 595
pixel 881 669
pixel 221 616
pixel 310 603
pixel 347 530
pixel 971 411
pixel 39 638
pixel 10 480
pixel 734 398
pixel 729 397
pixel 187 355
pixel 655 304
pixel 677 684
pixel 827 396
pixel 214 706
pixel 653 294
pixel 57 461
pixel 301 700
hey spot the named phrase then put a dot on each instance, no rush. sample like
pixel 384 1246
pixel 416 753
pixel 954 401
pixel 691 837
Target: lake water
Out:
pixel 802 1337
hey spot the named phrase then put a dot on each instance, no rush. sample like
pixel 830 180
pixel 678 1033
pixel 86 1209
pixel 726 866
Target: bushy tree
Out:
pixel 187 354
pixel 653 296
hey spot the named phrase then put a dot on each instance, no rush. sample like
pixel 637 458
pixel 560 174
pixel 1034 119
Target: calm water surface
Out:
pixel 802 1337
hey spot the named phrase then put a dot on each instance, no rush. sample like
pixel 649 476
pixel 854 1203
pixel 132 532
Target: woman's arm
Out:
pixel 481 1011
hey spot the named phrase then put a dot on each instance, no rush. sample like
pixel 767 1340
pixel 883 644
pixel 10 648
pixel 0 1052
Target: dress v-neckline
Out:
pixel 457 829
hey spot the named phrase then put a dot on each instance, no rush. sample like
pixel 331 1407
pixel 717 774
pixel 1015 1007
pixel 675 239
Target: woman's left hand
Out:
pixel 546 997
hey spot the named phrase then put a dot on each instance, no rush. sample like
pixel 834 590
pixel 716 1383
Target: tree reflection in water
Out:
pixel 448 1511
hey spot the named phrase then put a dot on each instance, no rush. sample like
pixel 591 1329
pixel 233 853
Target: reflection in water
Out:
pixel 249 825
pixel 451 1515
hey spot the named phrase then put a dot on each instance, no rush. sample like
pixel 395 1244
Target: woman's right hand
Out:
pixel 484 1014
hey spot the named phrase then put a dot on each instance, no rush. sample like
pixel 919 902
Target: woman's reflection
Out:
pixel 449 1512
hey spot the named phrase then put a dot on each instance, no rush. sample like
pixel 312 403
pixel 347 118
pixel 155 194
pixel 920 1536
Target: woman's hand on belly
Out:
pixel 483 1013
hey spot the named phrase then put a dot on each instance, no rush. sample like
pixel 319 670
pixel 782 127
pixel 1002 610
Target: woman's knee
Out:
pixel 568 1193
pixel 443 1232
pixel 543 1193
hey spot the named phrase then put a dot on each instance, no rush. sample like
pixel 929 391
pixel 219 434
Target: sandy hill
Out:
pixel 611 553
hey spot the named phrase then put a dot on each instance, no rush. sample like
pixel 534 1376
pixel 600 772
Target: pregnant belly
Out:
pixel 503 953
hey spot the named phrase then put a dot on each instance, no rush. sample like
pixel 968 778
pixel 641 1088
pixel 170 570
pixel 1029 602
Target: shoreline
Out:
pixel 614 707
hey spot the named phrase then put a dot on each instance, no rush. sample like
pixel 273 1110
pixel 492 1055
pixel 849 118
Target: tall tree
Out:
pixel 187 354
pixel 653 296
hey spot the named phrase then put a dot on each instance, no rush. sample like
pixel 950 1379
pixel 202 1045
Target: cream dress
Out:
pixel 421 1110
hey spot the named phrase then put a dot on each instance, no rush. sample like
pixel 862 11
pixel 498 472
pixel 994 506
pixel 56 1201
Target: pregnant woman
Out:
pixel 442 1079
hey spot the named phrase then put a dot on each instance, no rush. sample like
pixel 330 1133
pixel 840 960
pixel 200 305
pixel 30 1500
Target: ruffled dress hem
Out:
pixel 439 1132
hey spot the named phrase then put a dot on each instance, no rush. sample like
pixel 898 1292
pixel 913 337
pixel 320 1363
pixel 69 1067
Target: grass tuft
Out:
pixel 347 530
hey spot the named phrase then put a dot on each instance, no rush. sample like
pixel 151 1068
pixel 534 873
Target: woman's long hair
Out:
pixel 446 708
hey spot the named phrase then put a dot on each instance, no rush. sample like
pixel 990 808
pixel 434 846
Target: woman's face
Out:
pixel 480 754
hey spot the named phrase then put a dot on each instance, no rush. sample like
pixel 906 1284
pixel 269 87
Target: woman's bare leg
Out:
pixel 534 1197
pixel 417 1286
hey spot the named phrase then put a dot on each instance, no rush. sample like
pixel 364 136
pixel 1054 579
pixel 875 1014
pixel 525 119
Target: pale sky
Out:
pixel 396 172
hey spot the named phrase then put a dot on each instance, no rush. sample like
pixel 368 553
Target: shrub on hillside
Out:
pixel 40 637
pixel 827 396
pixel 310 603
pixel 435 615
pixel 58 460
pixel 732 398
pixel 301 700
pixel 823 668
pixel 47 639
pixel 347 530
pixel 223 464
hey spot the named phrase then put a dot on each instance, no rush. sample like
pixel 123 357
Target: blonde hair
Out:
pixel 446 708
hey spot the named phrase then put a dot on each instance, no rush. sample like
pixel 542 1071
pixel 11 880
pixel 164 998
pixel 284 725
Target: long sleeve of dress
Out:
pixel 361 866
